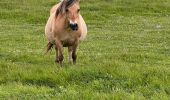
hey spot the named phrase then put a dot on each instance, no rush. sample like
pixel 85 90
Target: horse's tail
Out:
pixel 49 47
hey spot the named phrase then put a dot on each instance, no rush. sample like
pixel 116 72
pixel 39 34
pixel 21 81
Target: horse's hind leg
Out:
pixel 49 47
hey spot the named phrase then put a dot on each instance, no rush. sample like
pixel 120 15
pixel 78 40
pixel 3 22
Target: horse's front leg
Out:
pixel 70 50
pixel 59 52
pixel 74 49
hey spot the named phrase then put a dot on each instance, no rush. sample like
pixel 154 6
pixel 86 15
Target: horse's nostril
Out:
pixel 76 25
pixel 73 25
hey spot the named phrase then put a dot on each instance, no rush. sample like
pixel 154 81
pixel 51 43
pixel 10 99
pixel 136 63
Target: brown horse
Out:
pixel 65 28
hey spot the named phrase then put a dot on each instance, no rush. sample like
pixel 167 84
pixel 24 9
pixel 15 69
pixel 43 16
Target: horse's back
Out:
pixel 49 26
pixel 54 8
pixel 83 29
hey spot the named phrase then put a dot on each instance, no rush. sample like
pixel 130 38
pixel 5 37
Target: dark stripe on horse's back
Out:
pixel 59 9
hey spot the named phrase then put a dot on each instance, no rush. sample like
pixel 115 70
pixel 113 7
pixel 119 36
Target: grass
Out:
pixel 126 55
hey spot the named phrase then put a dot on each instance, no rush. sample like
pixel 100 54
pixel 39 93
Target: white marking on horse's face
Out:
pixel 73 22
pixel 73 13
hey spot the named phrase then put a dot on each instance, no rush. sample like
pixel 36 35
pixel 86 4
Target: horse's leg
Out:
pixel 56 50
pixel 59 53
pixel 74 55
pixel 70 50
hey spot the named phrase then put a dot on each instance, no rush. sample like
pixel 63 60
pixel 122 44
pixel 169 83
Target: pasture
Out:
pixel 126 55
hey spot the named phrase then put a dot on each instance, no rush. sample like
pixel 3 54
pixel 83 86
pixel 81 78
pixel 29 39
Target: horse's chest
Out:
pixel 68 40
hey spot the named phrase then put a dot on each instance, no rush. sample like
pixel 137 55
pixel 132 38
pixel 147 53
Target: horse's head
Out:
pixel 71 9
pixel 72 14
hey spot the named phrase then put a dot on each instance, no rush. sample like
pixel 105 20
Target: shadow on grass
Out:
pixel 41 82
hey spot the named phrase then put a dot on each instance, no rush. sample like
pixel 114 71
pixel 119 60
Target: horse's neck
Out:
pixel 61 22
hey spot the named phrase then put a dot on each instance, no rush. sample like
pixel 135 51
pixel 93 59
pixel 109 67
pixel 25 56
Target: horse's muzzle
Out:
pixel 74 27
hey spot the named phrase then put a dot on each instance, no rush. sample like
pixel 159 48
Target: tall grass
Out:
pixel 125 56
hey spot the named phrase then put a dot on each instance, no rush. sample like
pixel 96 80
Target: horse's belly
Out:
pixel 68 42
pixel 68 38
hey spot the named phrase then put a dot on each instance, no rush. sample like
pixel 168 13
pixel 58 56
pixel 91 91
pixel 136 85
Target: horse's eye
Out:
pixel 66 10
pixel 78 10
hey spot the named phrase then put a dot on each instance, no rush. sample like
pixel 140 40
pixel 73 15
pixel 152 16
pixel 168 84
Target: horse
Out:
pixel 65 28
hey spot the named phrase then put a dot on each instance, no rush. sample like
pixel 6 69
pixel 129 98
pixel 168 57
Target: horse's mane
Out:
pixel 64 5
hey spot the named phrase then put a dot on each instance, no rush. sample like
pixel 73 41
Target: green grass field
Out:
pixel 126 55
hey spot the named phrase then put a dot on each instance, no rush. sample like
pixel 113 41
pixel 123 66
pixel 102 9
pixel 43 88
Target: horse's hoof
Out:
pixel 74 62
pixel 57 61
